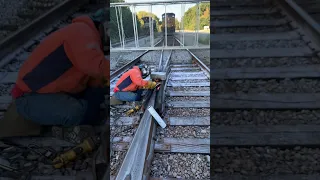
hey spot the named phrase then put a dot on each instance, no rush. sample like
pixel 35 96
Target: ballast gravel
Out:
pixel 186 166
pixel 265 117
pixel 183 132
pixel 188 112
pixel 266 160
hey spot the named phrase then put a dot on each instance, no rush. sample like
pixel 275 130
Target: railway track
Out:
pixel 264 96
pixel 181 150
pixel 30 157
pixel 311 7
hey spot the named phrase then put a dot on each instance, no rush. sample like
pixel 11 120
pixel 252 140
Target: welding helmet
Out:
pixel 145 70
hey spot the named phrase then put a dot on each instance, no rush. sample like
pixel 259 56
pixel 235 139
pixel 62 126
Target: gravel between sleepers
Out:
pixel 189 81
pixel 116 161
pixel 5 89
pixel 187 98
pixel 23 158
pixel 188 166
pixel 265 117
pixel 267 86
pixel 266 160
pixel 187 112
pixel 183 132
pixel 188 88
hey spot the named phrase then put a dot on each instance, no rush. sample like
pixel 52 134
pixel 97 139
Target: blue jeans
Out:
pixel 129 96
pixel 61 108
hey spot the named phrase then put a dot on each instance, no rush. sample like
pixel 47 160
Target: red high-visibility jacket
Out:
pixel 65 61
pixel 130 80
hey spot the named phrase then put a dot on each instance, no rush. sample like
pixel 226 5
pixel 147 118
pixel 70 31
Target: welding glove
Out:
pixel 150 85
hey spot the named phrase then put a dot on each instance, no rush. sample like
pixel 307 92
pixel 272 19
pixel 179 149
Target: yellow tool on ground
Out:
pixel 135 109
pixel 87 145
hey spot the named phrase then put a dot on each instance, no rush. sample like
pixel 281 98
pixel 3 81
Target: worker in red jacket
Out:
pixel 64 80
pixel 131 85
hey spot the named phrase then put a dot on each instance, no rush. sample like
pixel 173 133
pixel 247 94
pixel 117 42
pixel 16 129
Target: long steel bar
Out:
pixel 157 2
pixel 133 164
pixel 182 22
pixel 165 25
pixel 198 25
pixel 134 26
pixel 199 62
pixel 150 24
pixel 121 26
pixel 161 59
pixel 307 24
pixel 119 30
pixel 152 30
pixel 158 48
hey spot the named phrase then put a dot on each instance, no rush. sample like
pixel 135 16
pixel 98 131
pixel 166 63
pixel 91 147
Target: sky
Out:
pixel 158 10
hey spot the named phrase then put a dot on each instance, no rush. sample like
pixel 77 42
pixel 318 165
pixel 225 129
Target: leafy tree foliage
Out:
pixel 189 17
pixel 177 24
pixel 142 14
pixel 127 22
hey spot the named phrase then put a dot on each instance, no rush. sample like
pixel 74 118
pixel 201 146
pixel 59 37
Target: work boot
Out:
pixel 134 103
pixel 115 101
pixel 74 134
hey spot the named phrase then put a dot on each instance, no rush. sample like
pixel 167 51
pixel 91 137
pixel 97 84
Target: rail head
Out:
pixel 304 20
pixel 134 162
pixel 197 60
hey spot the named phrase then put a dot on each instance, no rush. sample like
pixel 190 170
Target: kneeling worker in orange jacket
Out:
pixel 131 85
pixel 64 80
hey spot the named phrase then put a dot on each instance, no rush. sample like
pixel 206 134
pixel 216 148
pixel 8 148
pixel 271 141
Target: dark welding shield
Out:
pixel 145 70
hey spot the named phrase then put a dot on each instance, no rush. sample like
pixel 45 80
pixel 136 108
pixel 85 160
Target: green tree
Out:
pixel 189 17
pixel 142 14
pixel 126 20
pixel 177 24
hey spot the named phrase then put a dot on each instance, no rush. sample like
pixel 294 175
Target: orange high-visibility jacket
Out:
pixel 130 80
pixel 66 60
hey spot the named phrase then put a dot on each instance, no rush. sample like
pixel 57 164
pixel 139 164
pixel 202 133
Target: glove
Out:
pixel 150 85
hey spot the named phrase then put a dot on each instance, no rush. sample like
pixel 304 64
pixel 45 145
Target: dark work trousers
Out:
pixel 129 96
pixel 62 108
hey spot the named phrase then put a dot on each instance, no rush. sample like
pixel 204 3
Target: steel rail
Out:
pixel 159 106
pixel 161 59
pixel 129 65
pixel 133 164
pixel 198 61
pixel 303 19
pixel 157 48
pixel 20 37
pixel 140 154
pixel 136 164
